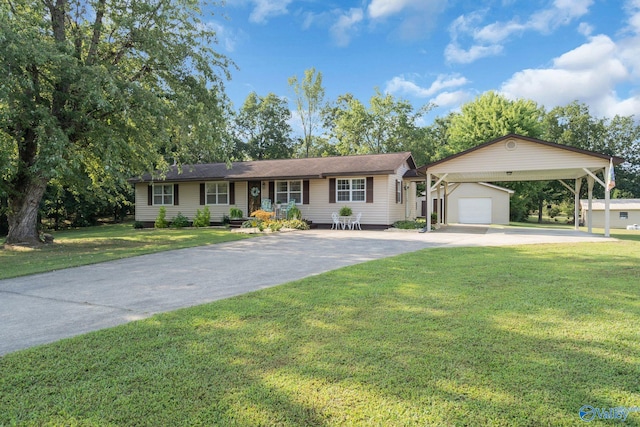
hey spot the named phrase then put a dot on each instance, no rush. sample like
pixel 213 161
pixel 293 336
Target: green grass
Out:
pixel 91 245
pixel 512 336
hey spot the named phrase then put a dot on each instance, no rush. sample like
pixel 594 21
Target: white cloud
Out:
pixel 585 29
pixel 561 13
pixel 346 25
pixel 487 40
pixel 226 38
pixel 590 74
pixel 455 54
pixel 633 10
pixel 265 9
pixel 384 8
pixel 400 84
pixel 452 99
pixel 498 31
pixel 417 16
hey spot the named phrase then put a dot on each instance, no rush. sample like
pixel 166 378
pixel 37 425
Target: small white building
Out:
pixel 623 212
pixel 473 203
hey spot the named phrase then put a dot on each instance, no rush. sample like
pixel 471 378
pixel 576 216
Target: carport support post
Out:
pixel 576 201
pixel 429 203
pixel 607 200
pixel 590 183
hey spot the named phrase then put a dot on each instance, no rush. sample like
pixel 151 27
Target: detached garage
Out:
pixel 475 203
pixel 474 210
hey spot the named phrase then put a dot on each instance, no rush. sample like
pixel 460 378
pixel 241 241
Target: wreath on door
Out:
pixel 255 191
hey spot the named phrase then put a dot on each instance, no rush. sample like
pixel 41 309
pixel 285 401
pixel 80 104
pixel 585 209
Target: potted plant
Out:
pixel 235 213
pixel 346 211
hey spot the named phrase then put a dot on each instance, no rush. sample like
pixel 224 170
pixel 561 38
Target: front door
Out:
pixel 254 198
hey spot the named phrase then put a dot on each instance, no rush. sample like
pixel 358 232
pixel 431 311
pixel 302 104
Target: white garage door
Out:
pixel 475 210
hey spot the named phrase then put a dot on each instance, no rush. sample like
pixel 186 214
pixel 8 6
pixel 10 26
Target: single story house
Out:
pixel 380 186
pixel 623 212
pixel 472 203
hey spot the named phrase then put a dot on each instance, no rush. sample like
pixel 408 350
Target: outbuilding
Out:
pixel 624 213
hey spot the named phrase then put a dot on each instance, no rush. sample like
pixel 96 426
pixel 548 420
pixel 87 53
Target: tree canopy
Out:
pixel 263 128
pixel 102 90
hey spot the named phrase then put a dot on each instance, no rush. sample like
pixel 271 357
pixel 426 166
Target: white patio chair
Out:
pixel 356 222
pixel 337 225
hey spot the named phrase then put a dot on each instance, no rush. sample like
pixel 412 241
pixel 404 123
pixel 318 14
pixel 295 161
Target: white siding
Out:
pixel 383 211
pixel 189 199
pixel 499 205
pixel 528 156
pixel 614 218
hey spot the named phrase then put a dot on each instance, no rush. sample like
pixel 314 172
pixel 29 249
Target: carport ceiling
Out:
pixel 518 158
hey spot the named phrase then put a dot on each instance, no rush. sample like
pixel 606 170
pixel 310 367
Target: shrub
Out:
pixel 294 213
pixel 202 219
pixel 235 213
pixel 251 223
pixel 263 215
pixel 296 224
pixel 276 225
pixel 161 219
pixel 138 225
pixel 408 225
pixel 179 221
pixel 346 211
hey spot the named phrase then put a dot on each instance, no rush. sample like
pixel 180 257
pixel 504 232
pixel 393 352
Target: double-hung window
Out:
pixel 350 190
pixel 217 193
pixel 288 190
pixel 624 215
pixel 163 194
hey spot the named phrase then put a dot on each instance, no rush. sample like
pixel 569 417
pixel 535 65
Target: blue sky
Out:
pixel 445 52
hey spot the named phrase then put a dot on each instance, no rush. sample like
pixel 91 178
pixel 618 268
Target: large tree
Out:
pixel 574 125
pixel 103 89
pixel 387 125
pixel 491 116
pixel 309 96
pixel 262 126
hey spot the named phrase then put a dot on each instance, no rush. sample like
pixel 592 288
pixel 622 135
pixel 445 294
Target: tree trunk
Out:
pixel 540 201
pixel 23 214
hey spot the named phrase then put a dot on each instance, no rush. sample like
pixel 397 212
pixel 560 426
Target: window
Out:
pixel 288 190
pixel 624 215
pixel 350 190
pixel 163 194
pixel 217 193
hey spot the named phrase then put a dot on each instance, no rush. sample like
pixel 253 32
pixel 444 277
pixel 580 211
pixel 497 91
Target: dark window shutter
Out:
pixel 332 190
pixel 150 195
pixel 401 191
pixel 202 195
pixel 272 191
pixel 232 193
pixel 397 201
pixel 176 199
pixel 369 189
pixel 305 192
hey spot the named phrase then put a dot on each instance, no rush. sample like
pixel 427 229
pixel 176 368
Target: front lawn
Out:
pixel 91 245
pixel 511 336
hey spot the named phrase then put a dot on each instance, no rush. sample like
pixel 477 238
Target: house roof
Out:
pixel 518 158
pixel 307 168
pixel 614 204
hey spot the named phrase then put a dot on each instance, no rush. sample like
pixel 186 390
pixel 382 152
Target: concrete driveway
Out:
pixel 43 308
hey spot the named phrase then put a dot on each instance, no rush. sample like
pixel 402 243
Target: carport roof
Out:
pixel 518 158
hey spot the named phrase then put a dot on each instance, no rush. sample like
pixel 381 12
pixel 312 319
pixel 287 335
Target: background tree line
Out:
pixel 97 92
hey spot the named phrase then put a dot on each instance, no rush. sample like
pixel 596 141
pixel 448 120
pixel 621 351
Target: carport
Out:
pixel 519 158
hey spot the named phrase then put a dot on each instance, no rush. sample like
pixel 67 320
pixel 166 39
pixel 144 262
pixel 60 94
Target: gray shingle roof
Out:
pixel 315 167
